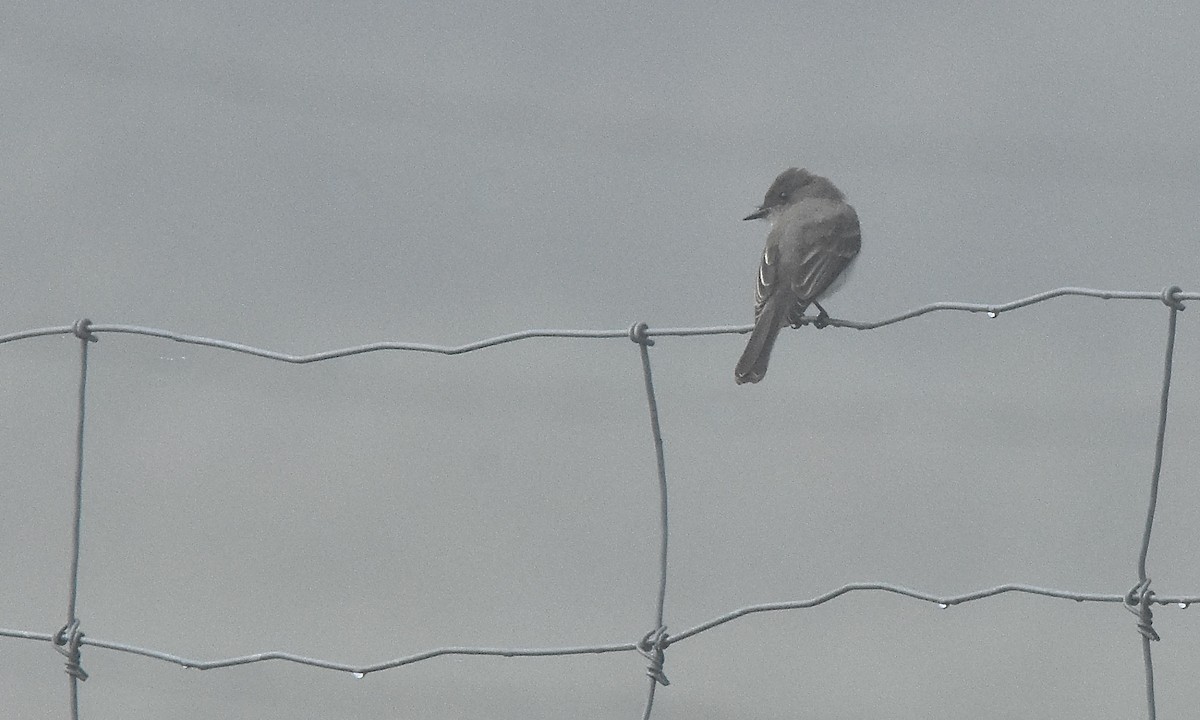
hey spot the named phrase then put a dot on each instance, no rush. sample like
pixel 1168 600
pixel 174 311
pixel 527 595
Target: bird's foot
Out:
pixel 822 319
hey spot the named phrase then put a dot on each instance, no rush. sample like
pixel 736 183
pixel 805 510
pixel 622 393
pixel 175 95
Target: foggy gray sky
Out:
pixel 304 176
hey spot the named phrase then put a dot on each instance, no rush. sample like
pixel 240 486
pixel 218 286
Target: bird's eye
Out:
pixel 783 196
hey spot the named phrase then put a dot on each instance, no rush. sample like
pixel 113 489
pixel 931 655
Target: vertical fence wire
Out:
pixel 1142 593
pixel 654 642
pixel 67 639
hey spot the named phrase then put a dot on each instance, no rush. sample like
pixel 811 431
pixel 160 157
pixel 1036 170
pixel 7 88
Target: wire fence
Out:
pixel 1139 600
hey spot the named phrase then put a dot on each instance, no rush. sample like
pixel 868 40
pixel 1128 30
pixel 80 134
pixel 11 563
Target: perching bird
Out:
pixel 814 237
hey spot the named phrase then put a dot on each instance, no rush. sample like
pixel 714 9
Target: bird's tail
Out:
pixel 753 365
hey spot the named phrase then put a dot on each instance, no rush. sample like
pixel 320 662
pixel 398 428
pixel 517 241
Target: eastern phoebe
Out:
pixel 814 237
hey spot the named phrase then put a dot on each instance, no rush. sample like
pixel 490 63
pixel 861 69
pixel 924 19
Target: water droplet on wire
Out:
pixel 1183 606
pixel 359 675
pixel 993 314
pixel 943 605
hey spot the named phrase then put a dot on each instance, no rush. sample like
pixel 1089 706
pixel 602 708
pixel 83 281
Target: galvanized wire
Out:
pixel 1142 593
pixel 595 334
pixel 654 642
pixel 69 639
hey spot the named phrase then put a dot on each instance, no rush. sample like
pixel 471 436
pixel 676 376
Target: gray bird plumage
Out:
pixel 814 237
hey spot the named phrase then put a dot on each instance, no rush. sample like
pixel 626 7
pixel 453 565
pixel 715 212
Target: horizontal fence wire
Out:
pixel 653 645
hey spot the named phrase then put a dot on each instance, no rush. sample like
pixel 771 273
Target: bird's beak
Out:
pixel 759 213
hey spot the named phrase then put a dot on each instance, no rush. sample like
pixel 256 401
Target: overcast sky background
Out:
pixel 303 177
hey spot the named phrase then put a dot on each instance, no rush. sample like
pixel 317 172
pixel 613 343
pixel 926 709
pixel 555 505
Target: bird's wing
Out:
pixel 805 258
pixel 768 276
pixel 827 246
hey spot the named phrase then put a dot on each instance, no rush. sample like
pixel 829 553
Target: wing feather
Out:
pixel 821 248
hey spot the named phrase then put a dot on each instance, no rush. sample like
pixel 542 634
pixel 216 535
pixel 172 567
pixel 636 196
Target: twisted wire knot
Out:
pixel 82 329
pixel 66 642
pixel 1170 297
pixel 651 647
pixel 638 334
pixel 1138 601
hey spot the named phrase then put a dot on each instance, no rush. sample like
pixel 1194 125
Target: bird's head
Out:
pixel 793 185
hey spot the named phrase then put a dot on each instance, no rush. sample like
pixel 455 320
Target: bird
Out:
pixel 814 238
